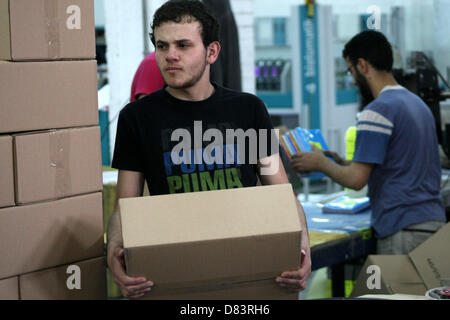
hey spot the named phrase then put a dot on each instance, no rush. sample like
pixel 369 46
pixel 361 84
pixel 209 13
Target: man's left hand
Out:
pixel 308 161
pixel 296 280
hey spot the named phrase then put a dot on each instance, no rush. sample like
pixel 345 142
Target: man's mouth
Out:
pixel 173 69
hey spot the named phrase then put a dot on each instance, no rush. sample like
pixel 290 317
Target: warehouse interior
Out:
pixel 66 73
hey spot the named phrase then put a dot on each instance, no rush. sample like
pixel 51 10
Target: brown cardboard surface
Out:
pixel 258 290
pixel 398 275
pixel 47 95
pixel 432 258
pixel 6 172
pixel 9 289
pixel 57 164
pixel 5 41
pixel 48 234
pixel 51 284
pixel 217 241
pixel 421 270
pixel 47 30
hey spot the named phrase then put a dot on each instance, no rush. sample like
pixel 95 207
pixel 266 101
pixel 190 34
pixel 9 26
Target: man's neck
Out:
pixel 197 92
pixel 380 81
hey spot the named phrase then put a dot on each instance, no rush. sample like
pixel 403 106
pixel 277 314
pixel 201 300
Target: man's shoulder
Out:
pixel 143 103
pixel 397 102
pixel 240 96
pixel 381 107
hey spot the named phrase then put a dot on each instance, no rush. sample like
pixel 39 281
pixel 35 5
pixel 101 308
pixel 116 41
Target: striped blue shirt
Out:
pixel 396 133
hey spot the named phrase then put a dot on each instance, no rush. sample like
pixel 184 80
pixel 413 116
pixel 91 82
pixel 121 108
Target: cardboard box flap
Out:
pixel 432 258
pixel 415 288
pixel 397 275
pixel 396 268
pixel 191 217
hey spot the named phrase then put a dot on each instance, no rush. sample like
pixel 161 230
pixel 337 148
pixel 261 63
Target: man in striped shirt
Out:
pixel 396 151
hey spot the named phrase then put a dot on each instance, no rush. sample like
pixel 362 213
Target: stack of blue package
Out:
pixel 346 204
pixel 300 140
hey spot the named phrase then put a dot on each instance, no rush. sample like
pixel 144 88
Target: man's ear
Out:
pixel 363 66
pixel 213 51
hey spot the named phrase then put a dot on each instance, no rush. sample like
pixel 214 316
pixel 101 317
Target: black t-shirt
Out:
pixel 156 134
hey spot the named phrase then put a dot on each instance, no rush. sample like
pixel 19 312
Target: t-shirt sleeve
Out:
pixel 268 143
pixel 374 130
pixel 127 150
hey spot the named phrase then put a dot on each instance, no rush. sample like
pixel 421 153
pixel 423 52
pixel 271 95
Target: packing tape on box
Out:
pixel 52 28
pixel 60 161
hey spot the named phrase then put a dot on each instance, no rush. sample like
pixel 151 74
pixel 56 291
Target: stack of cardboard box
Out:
pixel 51 227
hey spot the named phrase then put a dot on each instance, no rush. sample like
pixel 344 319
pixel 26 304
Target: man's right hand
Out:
pixel 132 288
pixel 336 158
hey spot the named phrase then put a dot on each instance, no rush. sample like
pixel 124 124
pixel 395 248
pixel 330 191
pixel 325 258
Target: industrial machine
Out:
pixel 422 79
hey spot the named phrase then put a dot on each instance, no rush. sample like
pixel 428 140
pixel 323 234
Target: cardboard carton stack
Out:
pixel 51 227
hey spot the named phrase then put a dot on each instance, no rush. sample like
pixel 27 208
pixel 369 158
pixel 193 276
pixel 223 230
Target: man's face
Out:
pixel 180 53
pixel 363 86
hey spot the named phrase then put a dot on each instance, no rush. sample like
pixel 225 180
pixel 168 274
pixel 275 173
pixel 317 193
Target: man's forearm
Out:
pixel 305 236
pixel 114 233
pixel 344 175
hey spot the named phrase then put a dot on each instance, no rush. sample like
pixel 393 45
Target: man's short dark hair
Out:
pixel 184 11
pixel 372 46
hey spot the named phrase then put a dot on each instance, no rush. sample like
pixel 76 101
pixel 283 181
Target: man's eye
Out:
pixel 183 45
pixel 161 46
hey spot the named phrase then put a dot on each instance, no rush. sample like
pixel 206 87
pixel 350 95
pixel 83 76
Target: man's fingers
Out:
pixel 122 278
pixel 291 284
pixel 131 295
pixel 134 291
pixel 296 280
pixel 132 282
pixel 141 287
pixel 288 281
pixel 297 156
pixel 293 279
pixel 291 274
pixel 303 285
pixel 296 165
pixel 131 287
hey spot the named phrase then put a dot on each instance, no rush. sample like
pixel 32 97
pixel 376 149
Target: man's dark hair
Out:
pixel 372 46
pixel 186 11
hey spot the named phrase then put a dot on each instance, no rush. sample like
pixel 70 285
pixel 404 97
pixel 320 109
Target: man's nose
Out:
pixel 172 54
